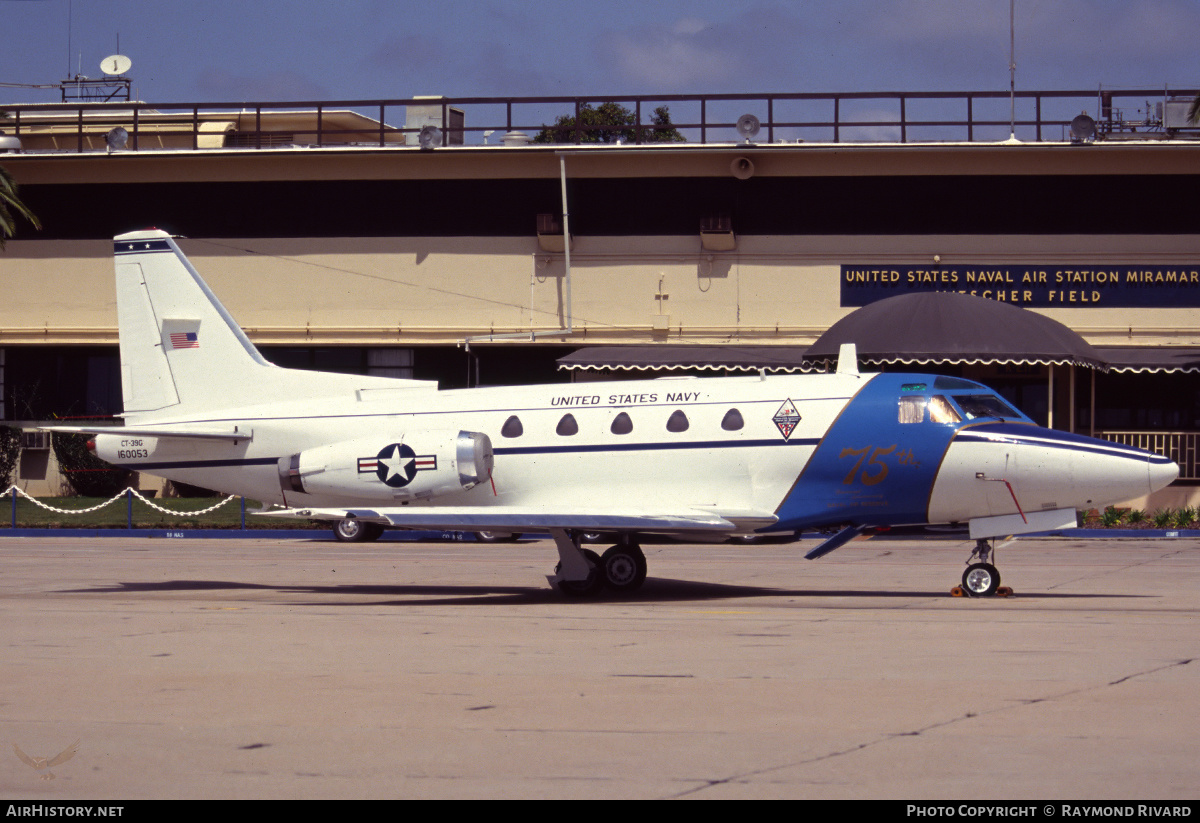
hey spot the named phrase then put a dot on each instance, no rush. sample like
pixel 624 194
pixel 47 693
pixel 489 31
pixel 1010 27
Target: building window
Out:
pixel 678 422
pixel 512 427
pixel 390 363
pixel 567 426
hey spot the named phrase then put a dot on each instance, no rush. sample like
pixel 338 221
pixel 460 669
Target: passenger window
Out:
pixel 940 410
pixel 678 422
pixel 732 421
pixel 512 427
pixel 567 426
pixel 622 424
pixel 912 410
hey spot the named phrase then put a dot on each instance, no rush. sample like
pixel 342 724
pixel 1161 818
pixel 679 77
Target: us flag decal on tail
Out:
pixel 185 340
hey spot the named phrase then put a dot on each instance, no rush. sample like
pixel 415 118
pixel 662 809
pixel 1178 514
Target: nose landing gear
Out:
pixel 981 578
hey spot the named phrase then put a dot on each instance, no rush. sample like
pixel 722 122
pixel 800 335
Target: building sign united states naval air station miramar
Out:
pixel 1038 286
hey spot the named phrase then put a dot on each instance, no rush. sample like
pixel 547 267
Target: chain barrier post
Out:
pixel 14 505
pixel 129 508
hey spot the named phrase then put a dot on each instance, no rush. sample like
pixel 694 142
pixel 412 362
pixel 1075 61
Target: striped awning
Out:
pixel 678 358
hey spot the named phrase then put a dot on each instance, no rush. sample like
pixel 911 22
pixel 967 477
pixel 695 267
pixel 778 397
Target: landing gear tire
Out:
pixel 980 580
pixel 583 588
pixel 623 567
pixel 351 530
pixel 497 537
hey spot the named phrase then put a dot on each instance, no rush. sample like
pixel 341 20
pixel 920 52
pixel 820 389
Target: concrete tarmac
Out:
pixel 297 669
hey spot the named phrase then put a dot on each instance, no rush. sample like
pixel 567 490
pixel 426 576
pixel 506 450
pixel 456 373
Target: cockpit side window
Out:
pixel 912 409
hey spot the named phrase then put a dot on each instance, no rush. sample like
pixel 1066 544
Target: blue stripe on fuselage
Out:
pixel 870 469
pixel 998 431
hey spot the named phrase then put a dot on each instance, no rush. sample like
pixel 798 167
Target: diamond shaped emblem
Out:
pixel 787 418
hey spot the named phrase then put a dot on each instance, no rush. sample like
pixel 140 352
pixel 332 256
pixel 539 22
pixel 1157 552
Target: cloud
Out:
pixel 423 64
pixel 694 54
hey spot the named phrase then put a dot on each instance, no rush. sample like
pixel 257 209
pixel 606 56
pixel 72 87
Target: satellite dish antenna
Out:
pixel 115 64
pixel 116 139
pixel 429 137
pixel 1083 128
pixel 747 126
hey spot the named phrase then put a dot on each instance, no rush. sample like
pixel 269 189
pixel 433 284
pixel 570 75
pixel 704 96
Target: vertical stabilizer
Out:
pixel 179 346
pixel 182 354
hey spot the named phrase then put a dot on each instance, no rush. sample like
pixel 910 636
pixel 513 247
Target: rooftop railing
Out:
pixel 1182 447
pixel 852 117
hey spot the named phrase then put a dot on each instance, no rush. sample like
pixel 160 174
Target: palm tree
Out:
pixel 9 203
pixel 1193 115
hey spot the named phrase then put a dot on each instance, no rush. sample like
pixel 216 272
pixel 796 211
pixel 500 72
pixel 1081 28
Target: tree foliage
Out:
pixel 88 475
pixel 610 123
pixel 10 203
pixel 10 450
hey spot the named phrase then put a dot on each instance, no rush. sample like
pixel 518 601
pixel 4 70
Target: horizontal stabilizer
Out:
pixel 200 434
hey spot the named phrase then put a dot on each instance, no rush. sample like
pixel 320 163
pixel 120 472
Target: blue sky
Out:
pixel 221 51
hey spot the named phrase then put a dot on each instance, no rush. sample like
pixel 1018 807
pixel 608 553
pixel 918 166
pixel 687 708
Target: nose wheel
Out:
pixel 981 579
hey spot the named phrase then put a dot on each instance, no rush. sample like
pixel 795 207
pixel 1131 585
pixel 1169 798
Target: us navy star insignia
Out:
pixel 396 464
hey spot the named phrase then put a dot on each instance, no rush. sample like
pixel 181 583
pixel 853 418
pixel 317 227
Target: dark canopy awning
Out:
pixel 947 327
pixel 715 358
pixel 1151 358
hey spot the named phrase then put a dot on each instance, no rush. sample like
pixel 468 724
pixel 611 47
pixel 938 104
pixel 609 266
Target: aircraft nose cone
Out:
pixel 1162 473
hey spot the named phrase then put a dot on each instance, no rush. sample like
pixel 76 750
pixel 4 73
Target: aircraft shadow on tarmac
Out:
pixel 655 590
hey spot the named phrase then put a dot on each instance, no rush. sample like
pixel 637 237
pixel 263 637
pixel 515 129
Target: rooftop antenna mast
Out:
pixel 1012 71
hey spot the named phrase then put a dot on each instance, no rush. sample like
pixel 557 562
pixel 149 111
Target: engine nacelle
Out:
pixel 414 466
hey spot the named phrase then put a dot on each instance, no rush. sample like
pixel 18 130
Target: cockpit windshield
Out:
pixel 975 406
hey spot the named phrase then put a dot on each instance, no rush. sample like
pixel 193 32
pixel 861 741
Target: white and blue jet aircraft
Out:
pixel 684 456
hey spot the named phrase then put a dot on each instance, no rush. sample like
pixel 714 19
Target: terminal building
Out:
pixel 459 247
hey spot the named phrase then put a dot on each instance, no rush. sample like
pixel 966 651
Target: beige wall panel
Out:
pixel 272 286
pixel 57 292
pixel 425 290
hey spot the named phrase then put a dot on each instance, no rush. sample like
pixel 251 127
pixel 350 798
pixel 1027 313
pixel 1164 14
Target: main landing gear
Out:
pixel 981 579
pixel 351 530
pixel 583 573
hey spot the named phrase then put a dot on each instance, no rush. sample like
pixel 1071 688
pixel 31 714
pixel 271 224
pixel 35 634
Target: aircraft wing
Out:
pixel 504 518
pixel 124 431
